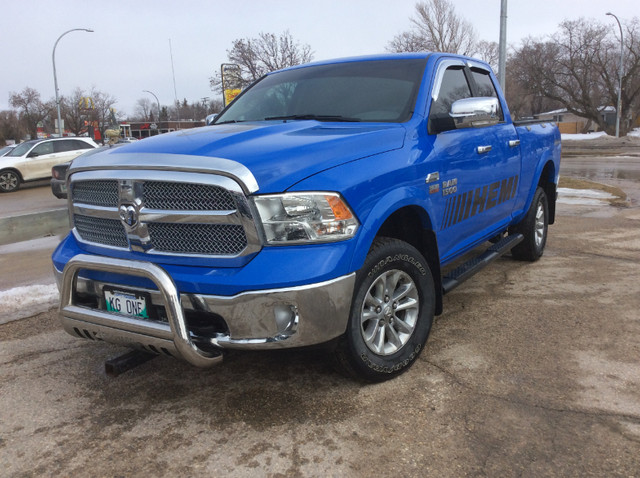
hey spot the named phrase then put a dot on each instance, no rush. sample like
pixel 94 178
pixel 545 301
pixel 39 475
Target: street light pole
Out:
pixel 157 101
pixel 619 107
pixel 502 60
pixel 55 77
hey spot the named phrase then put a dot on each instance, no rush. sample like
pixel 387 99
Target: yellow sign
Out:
pixel 230 94
pixel 86 103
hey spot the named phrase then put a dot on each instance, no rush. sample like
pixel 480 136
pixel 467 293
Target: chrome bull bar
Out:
pixel 174 336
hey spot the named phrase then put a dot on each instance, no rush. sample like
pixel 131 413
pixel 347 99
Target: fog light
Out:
pixel 286 318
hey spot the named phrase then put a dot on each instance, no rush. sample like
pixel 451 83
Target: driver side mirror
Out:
pixel 475 112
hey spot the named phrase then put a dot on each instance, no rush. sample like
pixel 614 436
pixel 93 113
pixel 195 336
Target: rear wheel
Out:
pixel 9 181
pixel 391 313
pixel 534 228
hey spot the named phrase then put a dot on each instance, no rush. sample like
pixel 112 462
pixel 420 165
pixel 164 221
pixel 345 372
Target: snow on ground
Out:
pixel 26 301
pixel 579 137
pixel 583 197
pixel 599 134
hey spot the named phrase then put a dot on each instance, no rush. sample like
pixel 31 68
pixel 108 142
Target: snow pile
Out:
pixel 21 302
pixel 635 133
pixel 580 137
pixel 583 197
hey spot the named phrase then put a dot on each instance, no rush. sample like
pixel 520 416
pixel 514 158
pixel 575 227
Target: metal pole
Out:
pixel 619 107
pixel 175 92
pixel 55 76
pixel 502 61
pixel 157 101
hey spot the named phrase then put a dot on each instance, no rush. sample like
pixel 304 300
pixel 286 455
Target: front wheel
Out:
pixel 534 228
pixel 391 313
pixel 9 181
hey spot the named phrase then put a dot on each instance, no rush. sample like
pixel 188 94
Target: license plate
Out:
pixel 129 303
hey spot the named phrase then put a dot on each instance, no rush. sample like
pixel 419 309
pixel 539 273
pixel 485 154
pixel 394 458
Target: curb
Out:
pixel 31 226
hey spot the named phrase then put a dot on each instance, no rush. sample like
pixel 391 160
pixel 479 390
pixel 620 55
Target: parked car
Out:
pixel 34 159
pixel 59 180
pixel 59 172
pixel 6 149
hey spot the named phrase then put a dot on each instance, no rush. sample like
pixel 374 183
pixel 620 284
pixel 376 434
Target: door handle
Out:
pixel 483 149
pixel 514 142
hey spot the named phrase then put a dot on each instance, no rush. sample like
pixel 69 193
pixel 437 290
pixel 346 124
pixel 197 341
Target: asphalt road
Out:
pixel 35 196
pixel 531 371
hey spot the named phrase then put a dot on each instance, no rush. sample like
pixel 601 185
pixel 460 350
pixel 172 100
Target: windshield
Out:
pixel 22 148
pixel 5 149
pixel 378 91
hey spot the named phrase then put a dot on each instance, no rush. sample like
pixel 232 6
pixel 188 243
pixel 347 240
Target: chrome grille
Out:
pixel 103 231
pixel 164 212
pixel 216 239
pixel 97 193
pixel 186 196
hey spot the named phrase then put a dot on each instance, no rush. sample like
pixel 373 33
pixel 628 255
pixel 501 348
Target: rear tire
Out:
pixel 391 313
pixel 534 228
pixel 9 181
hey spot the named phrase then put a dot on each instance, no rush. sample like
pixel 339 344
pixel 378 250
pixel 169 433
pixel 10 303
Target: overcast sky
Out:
pixel 129 50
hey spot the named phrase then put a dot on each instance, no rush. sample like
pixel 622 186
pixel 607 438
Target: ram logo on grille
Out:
pixel 129 215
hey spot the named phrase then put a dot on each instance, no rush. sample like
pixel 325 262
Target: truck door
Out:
pixel 477 167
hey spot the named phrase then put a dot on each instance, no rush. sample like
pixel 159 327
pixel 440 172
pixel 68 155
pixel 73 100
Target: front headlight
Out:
pixel 305 217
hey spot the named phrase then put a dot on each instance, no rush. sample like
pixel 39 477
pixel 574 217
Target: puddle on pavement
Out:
pixel 601 173
pixel 584 197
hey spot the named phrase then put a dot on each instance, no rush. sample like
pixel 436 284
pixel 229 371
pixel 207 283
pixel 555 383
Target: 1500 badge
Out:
pixel 450 186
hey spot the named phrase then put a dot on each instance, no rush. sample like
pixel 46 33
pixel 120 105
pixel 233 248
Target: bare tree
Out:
pixel 143 110
pixel 103 104
pixel 10 127
pixel 436 27
pixel 258 56
pixel 31 108
pixel 488 51
pixel 76 110
pixel 578 68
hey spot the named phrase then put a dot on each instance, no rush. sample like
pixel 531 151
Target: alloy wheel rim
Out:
pixel 8 181
pixel 389 312
pixel 539 225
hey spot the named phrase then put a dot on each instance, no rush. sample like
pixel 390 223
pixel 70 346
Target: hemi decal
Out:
pixel 462 206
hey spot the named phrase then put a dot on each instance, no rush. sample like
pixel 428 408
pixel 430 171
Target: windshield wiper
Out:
pixel 227 122
pixel 314 117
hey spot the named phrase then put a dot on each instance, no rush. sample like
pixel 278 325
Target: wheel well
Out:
pixel 550 189
pixel 412 225
pixel 13 170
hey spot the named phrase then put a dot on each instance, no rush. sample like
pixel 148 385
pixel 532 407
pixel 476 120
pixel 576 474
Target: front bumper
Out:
pixel 274 318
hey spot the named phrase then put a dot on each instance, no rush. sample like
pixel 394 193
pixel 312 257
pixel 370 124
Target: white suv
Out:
pixel 34 159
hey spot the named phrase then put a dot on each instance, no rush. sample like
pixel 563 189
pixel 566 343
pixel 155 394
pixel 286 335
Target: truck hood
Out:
pixel 277 154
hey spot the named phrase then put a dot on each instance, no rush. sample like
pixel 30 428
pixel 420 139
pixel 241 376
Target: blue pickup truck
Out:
pixel 330 203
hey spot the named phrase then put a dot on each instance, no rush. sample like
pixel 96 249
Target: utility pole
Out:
pixel 502 62
pixel 619 107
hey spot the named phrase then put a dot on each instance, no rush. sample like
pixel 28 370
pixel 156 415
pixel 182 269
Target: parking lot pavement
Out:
pixel 30 198
pixel 531 371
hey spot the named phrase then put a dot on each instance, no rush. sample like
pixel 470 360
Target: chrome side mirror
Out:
pixel 475 112
pixel 210 119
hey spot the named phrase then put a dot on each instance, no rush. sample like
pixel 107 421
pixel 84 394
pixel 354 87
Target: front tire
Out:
pixel 391 313
pixel 9 181
pixel 534 228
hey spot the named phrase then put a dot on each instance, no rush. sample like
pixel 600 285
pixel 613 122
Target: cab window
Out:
pixel 454 87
